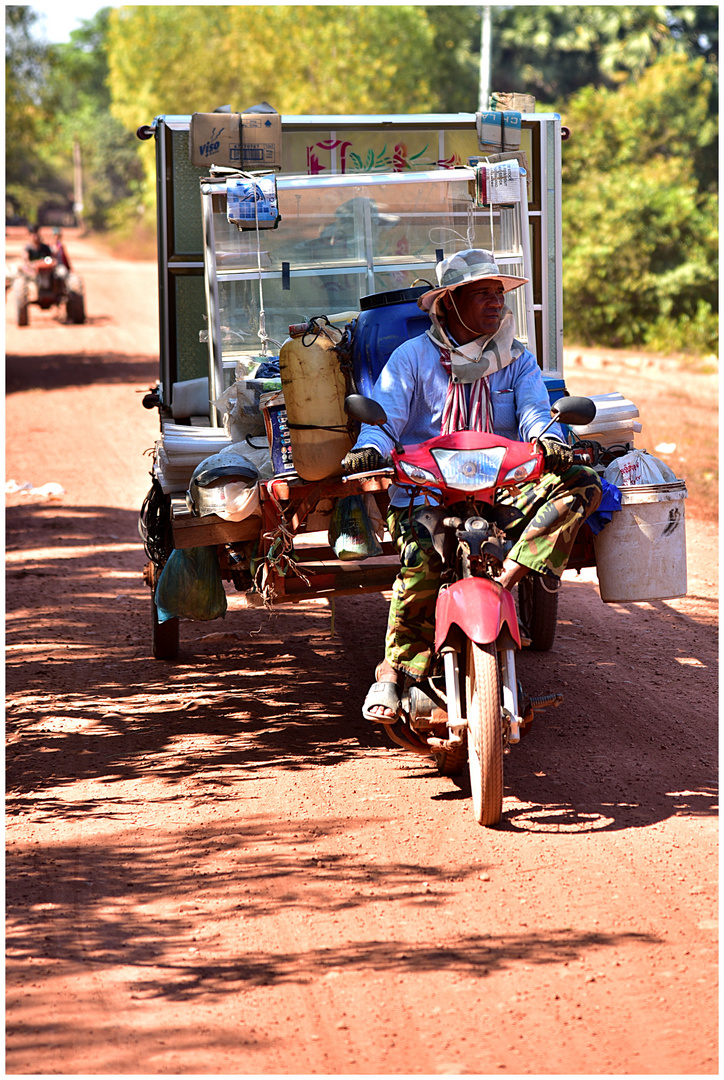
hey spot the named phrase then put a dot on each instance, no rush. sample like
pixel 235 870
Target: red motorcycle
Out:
pixel 470 707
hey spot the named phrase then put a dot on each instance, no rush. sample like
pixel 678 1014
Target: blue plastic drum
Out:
pixel 385 321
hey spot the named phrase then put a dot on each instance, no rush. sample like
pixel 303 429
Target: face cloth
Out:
pixel 472 363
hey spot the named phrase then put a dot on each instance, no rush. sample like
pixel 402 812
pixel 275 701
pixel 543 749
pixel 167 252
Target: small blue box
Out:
pixel 555 385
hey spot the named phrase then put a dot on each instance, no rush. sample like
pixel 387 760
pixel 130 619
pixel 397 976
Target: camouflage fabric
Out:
pixel 541 519
pixel 545 516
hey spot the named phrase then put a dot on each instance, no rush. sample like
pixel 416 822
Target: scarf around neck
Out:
pixel 472 364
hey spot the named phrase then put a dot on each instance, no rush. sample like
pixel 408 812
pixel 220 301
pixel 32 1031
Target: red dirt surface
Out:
pixel 217 866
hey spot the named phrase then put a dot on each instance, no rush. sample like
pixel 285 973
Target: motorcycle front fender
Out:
pixel 479 607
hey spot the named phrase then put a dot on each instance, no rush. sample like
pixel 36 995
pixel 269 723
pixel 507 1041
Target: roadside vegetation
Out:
pixel 637 86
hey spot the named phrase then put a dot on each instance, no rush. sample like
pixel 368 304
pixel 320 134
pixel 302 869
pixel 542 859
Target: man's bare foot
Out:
pixel 512 574
pixel 385 673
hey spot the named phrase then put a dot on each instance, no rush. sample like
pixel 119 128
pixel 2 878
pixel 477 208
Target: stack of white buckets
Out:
pixel 641 553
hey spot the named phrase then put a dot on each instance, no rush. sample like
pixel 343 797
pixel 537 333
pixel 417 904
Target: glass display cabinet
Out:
pixel 340 238
pixel 367 204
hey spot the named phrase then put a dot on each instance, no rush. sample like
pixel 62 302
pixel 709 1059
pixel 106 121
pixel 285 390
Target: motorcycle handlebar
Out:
pixel 368 475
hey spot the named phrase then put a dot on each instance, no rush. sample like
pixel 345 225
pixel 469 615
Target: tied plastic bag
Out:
pixel 190 586
pixel 609 505
pixel 638 467
pixel 351 533
pixel 241 408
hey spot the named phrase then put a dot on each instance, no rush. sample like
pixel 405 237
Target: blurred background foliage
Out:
pixel 637 86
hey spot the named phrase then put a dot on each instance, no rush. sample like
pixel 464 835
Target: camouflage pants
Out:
pixel 541 520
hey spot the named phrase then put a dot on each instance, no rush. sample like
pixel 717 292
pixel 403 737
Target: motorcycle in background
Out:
pixel 48 284
pixel 470 707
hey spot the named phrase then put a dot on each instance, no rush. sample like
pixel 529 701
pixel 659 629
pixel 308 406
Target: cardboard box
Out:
pixel 498 131
pixel 516 102
pixel 261 138
pixel 215 139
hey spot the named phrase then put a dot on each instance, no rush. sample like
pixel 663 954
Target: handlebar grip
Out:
pixel 368 475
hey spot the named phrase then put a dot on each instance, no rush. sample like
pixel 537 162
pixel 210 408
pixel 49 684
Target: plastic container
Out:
pixel 314 392
pixel 641 553
pixel 190 398
pixel 277 432
pixel 614 423
pixel 386 320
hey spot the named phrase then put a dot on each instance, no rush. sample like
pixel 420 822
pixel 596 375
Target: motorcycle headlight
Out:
pixel 416 474
pixel 521 472
pixel 469 470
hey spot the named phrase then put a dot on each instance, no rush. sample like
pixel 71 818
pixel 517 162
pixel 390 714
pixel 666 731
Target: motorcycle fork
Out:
pixel 509 692
pixel 509 685
pixel 456 725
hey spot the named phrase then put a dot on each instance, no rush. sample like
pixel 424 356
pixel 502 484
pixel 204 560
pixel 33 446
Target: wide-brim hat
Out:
pixel 464 267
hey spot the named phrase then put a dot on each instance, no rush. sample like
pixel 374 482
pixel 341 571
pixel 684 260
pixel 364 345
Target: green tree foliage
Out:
pixel 455 58
pixel 640 226
pixel 315 59
pixel 77 103
pixel 552 51
pixel 27 180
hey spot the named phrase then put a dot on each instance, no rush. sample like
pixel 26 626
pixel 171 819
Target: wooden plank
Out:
pixel 297 490
pixel 212 530
pixel 342 579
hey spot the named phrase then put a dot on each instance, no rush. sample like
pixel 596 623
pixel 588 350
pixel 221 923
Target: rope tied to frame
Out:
pixel 279 558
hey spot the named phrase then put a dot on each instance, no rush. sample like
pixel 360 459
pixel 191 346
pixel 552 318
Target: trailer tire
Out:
pixel 538 609
pixel 164 635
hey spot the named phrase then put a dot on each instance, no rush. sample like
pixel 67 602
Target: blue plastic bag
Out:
pixel 610 503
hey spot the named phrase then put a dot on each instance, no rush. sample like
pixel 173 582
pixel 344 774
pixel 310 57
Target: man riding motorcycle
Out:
pixel 36 249
pixel 467 372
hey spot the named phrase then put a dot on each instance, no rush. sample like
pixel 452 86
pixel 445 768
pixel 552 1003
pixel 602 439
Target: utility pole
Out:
pixel 77 184
pixel 485 37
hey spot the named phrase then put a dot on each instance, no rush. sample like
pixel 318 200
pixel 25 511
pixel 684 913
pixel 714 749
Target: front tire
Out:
pixel 485 732
pixel 20 299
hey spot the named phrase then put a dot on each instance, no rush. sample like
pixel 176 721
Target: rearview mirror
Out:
pixel 578 411
pixel 365 409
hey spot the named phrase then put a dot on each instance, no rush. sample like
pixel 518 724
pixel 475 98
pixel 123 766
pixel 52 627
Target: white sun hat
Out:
pixel 463 267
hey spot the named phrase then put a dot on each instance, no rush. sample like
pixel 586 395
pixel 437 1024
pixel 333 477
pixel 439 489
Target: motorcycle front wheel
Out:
pixel 485 732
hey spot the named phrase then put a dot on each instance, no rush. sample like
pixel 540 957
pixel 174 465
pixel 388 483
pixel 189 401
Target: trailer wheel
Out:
pixel 538 609
pixel 164 635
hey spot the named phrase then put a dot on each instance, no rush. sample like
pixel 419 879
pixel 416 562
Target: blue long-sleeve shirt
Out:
pixel 412 388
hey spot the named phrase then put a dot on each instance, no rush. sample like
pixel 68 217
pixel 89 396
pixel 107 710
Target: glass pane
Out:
pixel 344 238
pixel 192 349
pixel 187 235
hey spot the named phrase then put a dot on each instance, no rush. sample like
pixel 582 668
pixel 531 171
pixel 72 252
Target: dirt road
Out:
pixel 217 866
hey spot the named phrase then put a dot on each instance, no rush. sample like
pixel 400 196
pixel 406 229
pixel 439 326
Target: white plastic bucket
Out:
pixel 641 553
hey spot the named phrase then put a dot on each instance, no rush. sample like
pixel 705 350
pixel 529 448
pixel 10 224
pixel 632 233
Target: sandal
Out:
pixel 384 695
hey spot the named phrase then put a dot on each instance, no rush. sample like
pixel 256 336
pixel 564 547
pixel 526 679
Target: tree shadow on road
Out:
pixel 97 906
pixel 55 371
pixel 257 691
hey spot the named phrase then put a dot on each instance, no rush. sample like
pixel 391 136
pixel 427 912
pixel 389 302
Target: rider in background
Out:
pixel 36 249
pixel 58 247
pixel 468 372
